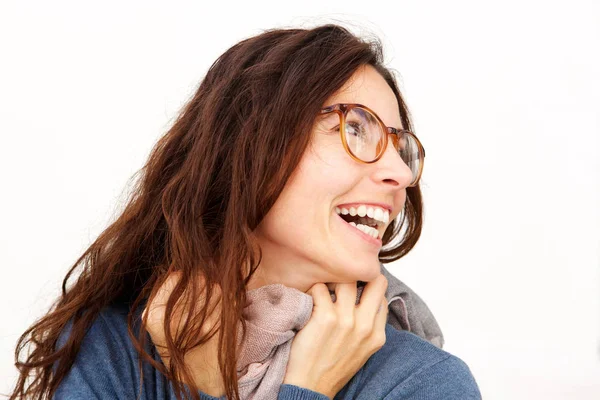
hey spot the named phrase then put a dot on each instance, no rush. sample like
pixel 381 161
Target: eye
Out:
pixel 352 128
pixel 355 129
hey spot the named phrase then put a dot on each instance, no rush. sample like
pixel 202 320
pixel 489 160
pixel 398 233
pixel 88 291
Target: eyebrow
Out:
pixel 368 116
pixel 373 118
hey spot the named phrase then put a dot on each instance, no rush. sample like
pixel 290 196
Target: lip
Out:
pixel 374 242
pixel 355 204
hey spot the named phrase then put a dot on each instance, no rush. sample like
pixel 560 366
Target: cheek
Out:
pixel 284 225
pixel 328 173
pixel 291 215
pixel 305 206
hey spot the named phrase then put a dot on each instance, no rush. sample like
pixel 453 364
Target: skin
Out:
pixel 302 239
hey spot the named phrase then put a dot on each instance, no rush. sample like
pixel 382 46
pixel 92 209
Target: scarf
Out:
pixel 274 313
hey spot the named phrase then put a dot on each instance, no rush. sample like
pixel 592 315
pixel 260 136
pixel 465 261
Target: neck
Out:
pixel 282 266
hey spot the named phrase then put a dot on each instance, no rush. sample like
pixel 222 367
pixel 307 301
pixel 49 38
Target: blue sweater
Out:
pixel 406 367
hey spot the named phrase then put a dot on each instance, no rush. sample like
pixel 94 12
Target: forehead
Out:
pixel 369 88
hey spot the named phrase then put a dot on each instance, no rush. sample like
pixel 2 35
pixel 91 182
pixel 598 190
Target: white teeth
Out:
pixel 353 224
pixel 376 213
pixel 361 211
pixel 374 233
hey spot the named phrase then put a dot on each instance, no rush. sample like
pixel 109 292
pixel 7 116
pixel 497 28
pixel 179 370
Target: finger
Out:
pixel 164 291
pixel 214 309
pixel 370 299
pixel 380 321
pixel 155 308
pixel 321 296
pixel 382 313
pixel 345 294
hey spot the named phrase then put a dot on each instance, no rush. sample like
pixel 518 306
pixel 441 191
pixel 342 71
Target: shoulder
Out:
pixel 108 331
pixel 410 367
pixel 106 364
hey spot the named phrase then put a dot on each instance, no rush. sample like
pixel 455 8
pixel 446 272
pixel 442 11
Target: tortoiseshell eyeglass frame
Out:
pixel 341 109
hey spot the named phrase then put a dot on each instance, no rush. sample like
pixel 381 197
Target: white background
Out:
pixel 505 98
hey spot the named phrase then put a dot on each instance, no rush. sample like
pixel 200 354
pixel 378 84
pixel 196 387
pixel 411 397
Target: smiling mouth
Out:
pixel 366 224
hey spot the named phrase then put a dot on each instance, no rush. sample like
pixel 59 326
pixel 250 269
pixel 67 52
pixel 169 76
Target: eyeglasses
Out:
pixel 365 137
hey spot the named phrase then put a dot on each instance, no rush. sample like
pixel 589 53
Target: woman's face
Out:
pixel 302 237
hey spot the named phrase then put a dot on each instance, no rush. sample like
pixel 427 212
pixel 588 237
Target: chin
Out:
pixel 361 269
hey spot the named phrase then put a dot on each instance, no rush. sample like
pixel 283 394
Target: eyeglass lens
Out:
pixel 365 138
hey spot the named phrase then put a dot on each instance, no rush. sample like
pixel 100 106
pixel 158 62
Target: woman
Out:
pixel 284 174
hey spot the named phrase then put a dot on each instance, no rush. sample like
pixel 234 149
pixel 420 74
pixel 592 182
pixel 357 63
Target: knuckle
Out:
pixel 364 331
pixel 379 339
pixel 345 323
pixel 318 288
pixel 328 319
pixel 154 317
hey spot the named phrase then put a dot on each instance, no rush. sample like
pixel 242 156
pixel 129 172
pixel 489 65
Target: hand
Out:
pixel 203 359
pixel 339 337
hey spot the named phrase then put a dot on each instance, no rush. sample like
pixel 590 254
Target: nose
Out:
pixel 391 169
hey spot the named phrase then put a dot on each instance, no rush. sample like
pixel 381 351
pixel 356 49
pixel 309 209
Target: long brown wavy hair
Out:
pixel 205 187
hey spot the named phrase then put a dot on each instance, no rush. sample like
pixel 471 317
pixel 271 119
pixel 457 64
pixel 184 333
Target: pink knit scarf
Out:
pixel 273 314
